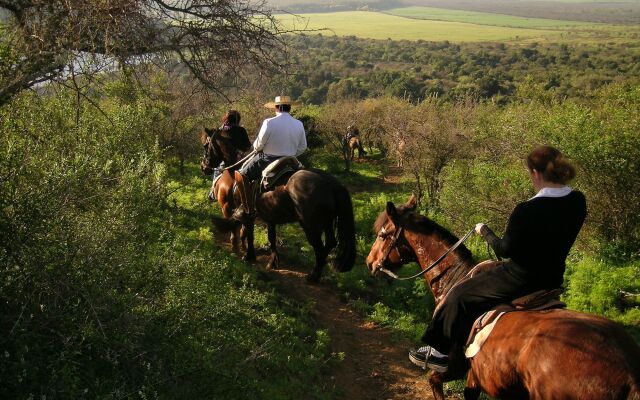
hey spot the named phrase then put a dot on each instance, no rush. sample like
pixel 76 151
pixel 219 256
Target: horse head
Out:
pixel 218 147
pixel 391 249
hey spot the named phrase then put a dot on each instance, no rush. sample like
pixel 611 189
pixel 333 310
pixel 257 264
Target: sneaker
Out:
pixel 211 196
pixel 428 357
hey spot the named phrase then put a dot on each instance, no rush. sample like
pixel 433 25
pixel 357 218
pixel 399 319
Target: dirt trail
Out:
pixel 375 365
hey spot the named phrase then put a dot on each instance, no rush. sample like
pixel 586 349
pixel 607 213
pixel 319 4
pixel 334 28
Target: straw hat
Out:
pixel 280 100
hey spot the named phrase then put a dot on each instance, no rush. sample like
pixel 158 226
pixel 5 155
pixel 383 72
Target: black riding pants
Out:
pixel 465 302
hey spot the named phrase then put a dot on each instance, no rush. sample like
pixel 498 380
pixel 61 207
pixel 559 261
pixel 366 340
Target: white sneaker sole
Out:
pixel 431 366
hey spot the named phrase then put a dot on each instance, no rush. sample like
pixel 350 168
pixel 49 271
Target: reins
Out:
pixel 424 271
pixel 241 161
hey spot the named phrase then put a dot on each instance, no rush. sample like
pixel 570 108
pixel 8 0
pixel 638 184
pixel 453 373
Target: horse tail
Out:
pixel 224 224
pixel 346 249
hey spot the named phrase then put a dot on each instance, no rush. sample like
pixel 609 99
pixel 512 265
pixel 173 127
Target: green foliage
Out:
pixel 334 68
pixel 110 284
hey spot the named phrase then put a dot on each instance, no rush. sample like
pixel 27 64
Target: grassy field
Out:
pixel 480 18
pixel 382 26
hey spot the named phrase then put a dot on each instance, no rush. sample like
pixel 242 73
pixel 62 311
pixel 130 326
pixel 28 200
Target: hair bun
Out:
pixel 552 164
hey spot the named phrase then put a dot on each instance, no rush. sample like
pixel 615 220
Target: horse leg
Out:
pixel 472 390
pixel 315 239
pixel 458 366
pixel 250 255
pixel 274 261
pixel 227 212
pixel 436 381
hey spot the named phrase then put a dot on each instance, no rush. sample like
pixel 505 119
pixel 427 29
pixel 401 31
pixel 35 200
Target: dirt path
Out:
pixel 375 365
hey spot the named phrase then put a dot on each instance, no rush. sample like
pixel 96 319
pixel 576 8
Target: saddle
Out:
pixel 484 324
pixel 276 170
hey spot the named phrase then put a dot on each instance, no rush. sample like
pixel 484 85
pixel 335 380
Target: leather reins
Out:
pixel 394 244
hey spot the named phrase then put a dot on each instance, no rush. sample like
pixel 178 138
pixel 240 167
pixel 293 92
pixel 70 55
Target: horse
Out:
pixel 219 147
pixel 551 354
pixel 352 144
pixel 313 198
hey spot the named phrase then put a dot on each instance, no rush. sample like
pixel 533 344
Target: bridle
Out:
pixel 394 245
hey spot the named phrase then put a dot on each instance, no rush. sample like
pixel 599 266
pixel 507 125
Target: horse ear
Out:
pixel 392 211
pixel 412 203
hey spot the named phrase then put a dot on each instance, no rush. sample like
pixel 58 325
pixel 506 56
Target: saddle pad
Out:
pixel 483 334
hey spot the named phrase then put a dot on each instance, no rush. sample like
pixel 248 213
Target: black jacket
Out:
pixel 539 235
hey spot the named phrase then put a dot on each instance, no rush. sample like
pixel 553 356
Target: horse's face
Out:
pixel 390 249
pixel 211 157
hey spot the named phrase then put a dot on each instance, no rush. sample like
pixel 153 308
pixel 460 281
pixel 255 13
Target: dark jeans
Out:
pixel 252 168
pixel 469 299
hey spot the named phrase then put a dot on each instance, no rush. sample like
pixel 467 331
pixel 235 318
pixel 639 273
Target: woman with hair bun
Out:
pixel 535 245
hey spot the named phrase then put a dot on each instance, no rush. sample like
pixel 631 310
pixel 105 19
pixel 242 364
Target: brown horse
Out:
pixel 352 144
pixel 311 197
pixel 219 147
pixel 552 354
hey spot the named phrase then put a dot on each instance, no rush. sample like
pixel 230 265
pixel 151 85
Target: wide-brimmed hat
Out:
pixel 280 100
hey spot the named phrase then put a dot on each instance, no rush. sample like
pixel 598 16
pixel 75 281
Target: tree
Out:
pixel 215 39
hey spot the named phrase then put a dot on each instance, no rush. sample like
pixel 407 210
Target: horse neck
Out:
pixel 454 267
pixel 229 152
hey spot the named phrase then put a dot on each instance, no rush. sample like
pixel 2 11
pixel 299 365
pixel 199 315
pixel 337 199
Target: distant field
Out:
pixel 481 18
pixel 374 25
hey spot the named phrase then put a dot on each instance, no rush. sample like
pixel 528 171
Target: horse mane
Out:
pixel 419 223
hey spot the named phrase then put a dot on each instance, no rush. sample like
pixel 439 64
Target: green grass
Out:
pixel 382 26
pixel 374 25
pixel 481 18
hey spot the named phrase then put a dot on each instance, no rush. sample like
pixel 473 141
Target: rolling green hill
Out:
pixel 373 25
pixel 457 28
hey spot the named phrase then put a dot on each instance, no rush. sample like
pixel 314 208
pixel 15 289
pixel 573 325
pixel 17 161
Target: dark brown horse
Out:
pixel 552 354
pixel 311 197
pixel 219 147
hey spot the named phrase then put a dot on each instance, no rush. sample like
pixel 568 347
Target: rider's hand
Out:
pixel 478 228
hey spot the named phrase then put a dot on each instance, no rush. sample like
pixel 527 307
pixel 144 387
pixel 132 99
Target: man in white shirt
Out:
pixel 279 136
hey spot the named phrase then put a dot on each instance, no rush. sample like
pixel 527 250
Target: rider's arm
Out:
pixel 262 138
pixel 302 143
pixel 503 247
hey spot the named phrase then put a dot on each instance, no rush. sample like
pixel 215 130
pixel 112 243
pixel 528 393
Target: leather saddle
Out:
pixel 276 170
pixel 484 324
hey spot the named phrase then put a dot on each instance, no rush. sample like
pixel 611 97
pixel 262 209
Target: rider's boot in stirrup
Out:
pixel 246 195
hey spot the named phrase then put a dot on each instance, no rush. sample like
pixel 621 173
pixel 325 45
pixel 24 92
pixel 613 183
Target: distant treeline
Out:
pixel 613 12
pixel 333 68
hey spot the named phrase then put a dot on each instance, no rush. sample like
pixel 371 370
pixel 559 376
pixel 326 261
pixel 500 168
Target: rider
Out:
pixel 239 137
pixel 537 239
pixel 279 136
pixel 352 131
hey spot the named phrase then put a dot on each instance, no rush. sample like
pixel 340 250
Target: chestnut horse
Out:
pixel 311 197
pixel 552 354
pixel 352 144
pixel 219 147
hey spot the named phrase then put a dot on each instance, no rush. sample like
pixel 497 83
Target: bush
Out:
pixel 104 293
